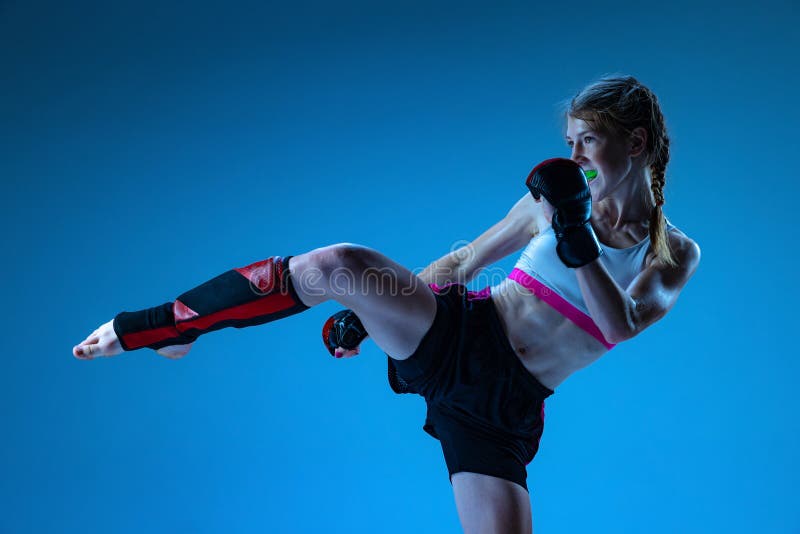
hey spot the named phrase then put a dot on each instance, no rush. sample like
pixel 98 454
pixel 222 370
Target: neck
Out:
pixel 628 206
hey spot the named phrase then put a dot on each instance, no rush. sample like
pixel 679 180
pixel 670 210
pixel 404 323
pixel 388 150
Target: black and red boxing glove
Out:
pixel 562 182
pixel 343 329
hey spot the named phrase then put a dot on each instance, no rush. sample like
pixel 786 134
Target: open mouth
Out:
pixel 590 174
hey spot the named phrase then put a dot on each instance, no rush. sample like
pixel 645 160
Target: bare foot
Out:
pixel 104 342
pixel 101 342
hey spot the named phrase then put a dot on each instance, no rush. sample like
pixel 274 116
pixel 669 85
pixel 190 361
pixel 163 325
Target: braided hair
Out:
pixel 617 104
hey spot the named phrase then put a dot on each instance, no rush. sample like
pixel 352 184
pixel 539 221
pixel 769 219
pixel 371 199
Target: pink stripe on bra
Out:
pixel 560 304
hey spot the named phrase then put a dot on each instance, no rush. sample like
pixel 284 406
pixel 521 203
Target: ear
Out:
pixel 638 141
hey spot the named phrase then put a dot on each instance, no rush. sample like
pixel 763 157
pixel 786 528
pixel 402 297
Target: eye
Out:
pixel 586 140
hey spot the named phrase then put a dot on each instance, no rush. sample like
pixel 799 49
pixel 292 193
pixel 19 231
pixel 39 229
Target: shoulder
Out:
pixel 685 250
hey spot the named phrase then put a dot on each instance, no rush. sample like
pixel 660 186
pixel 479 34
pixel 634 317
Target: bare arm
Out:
pixel 622 314
pixel 506 236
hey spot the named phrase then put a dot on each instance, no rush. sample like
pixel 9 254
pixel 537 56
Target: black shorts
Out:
pixel 484 407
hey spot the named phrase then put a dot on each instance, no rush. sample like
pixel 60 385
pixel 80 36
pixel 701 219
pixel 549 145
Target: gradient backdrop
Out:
pixel 148 147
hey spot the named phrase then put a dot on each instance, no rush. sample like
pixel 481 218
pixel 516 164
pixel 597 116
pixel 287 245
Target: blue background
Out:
pixel 148 147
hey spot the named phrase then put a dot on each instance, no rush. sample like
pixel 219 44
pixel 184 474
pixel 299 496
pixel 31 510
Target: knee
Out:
pixel 344 257
pixel 338 260
pixel 342 267
pixel 338 267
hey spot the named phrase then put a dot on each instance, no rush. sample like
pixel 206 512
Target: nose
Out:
pixel 577 154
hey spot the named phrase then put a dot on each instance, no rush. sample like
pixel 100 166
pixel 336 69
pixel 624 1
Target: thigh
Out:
pixel 488 504
pixel 396 307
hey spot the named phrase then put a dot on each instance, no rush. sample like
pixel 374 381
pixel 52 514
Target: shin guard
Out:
pixel 247 296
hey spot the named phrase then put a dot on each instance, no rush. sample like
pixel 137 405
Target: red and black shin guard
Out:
pixel 247 296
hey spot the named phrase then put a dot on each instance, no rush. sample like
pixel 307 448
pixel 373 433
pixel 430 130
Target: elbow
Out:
pixel 619 333
pixel 626 325
pixel 617 336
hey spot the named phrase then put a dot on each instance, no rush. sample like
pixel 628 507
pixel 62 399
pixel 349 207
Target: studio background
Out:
pixel 147 146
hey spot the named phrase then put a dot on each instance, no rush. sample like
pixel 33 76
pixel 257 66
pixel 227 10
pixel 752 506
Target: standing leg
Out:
pixel 488 505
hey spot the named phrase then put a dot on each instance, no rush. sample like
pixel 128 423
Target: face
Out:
pixel 604 153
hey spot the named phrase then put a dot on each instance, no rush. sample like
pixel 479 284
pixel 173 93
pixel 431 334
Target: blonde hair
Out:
pixel 617 104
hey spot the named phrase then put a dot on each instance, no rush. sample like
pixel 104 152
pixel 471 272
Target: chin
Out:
pixel 597 192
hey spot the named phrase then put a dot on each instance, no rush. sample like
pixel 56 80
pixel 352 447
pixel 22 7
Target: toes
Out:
pixel 92 339
pixel 87 350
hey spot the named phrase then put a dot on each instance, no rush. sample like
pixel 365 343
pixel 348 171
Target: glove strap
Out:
pixel 577 245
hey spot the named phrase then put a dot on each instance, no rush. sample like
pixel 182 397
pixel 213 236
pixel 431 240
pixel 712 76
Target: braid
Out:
pixel 658 170
pixel 659 238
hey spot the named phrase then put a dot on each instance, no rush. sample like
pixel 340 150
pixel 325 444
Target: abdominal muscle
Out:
pixel 550 346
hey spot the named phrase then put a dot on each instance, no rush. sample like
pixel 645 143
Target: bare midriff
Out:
pixel 550 346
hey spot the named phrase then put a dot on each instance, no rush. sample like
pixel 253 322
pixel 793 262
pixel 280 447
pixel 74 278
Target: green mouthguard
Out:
pixel 590 175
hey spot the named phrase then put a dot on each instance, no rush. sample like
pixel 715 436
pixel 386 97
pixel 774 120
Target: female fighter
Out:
pixel 600 264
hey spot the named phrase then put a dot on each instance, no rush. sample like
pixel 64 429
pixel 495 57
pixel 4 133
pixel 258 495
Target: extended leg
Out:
pixel 395 306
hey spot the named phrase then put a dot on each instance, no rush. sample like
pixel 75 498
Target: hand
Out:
pixel 343 334
pixel 346 353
